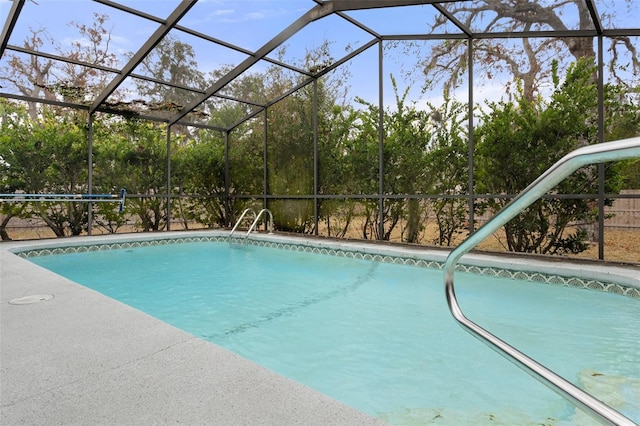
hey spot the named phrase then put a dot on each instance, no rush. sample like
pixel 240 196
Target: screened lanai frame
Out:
pixel 318 9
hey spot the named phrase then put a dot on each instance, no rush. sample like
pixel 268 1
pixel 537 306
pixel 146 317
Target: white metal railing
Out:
pixel 600 153
pixel 244 213
pixel 257 219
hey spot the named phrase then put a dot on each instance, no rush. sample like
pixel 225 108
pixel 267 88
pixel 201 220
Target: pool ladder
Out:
pixel 609 151
pixel 256 219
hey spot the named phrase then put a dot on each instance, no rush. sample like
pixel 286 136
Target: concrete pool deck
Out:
pixel 83 358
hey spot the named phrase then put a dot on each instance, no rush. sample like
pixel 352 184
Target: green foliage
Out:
pixel 15 168
pixel 519 140
pixel 49 156
pixel 199 170
pixel 407 137
pixel 424 151
pixel 336 168
pixel 132 154
pixel 449 166
pixel 292 215
pixel 622 114
pixel 290 156
pixel 290 161
pixel 246 161
pixel 146 168
pixel 172 61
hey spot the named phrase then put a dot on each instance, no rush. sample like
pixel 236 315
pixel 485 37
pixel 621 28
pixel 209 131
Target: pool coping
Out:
pixel 66 360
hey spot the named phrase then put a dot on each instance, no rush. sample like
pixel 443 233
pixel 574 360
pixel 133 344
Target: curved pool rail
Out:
pixel 244 213
pixel 257 219
pixel 600 153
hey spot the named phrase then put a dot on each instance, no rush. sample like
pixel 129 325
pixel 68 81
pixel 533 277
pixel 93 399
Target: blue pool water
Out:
pixel 379 336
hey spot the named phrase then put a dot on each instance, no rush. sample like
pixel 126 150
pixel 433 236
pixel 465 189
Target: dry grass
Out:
pixel 620 245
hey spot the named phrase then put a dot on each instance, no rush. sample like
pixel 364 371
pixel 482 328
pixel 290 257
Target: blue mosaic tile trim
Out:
pixel 115 246
pixel 422 263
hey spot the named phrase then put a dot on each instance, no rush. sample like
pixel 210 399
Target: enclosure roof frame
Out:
pixel 319 9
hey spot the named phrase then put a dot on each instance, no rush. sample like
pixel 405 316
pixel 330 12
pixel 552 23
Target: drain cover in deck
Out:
pixel 35 298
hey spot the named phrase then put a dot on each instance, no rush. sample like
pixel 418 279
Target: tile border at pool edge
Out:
pixel 555 274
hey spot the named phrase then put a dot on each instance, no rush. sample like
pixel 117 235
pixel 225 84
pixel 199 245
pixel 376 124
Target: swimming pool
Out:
pixel 354 330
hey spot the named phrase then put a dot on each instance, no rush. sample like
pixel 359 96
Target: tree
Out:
pixel 110 171
pixel 56 131
pixel 21 166
pixel 336 174
pixel 42 77
pixel 82 84
pixel 622 118
pixel 525 59
pixel 45 157
pixel 407 134
pixel 290 127
pixel 137 161
pixel 199 170
pixel 449 166
pixel 363 156
pixel 519 140
pixel 246 166
pixel 171 61
pixel 290 161
pixel 65 142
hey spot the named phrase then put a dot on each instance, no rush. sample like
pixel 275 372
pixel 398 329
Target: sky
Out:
pixel 246 23
pixel 249 24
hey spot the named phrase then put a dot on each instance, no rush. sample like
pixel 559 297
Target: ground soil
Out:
pixel 620 245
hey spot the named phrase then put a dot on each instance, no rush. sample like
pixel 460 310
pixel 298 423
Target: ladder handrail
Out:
pixel 255 222
pixel 603 152
pixel 240 220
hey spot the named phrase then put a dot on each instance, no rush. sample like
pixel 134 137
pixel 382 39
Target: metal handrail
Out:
pixel 244 213
pixel 600 153
pixel 255 222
